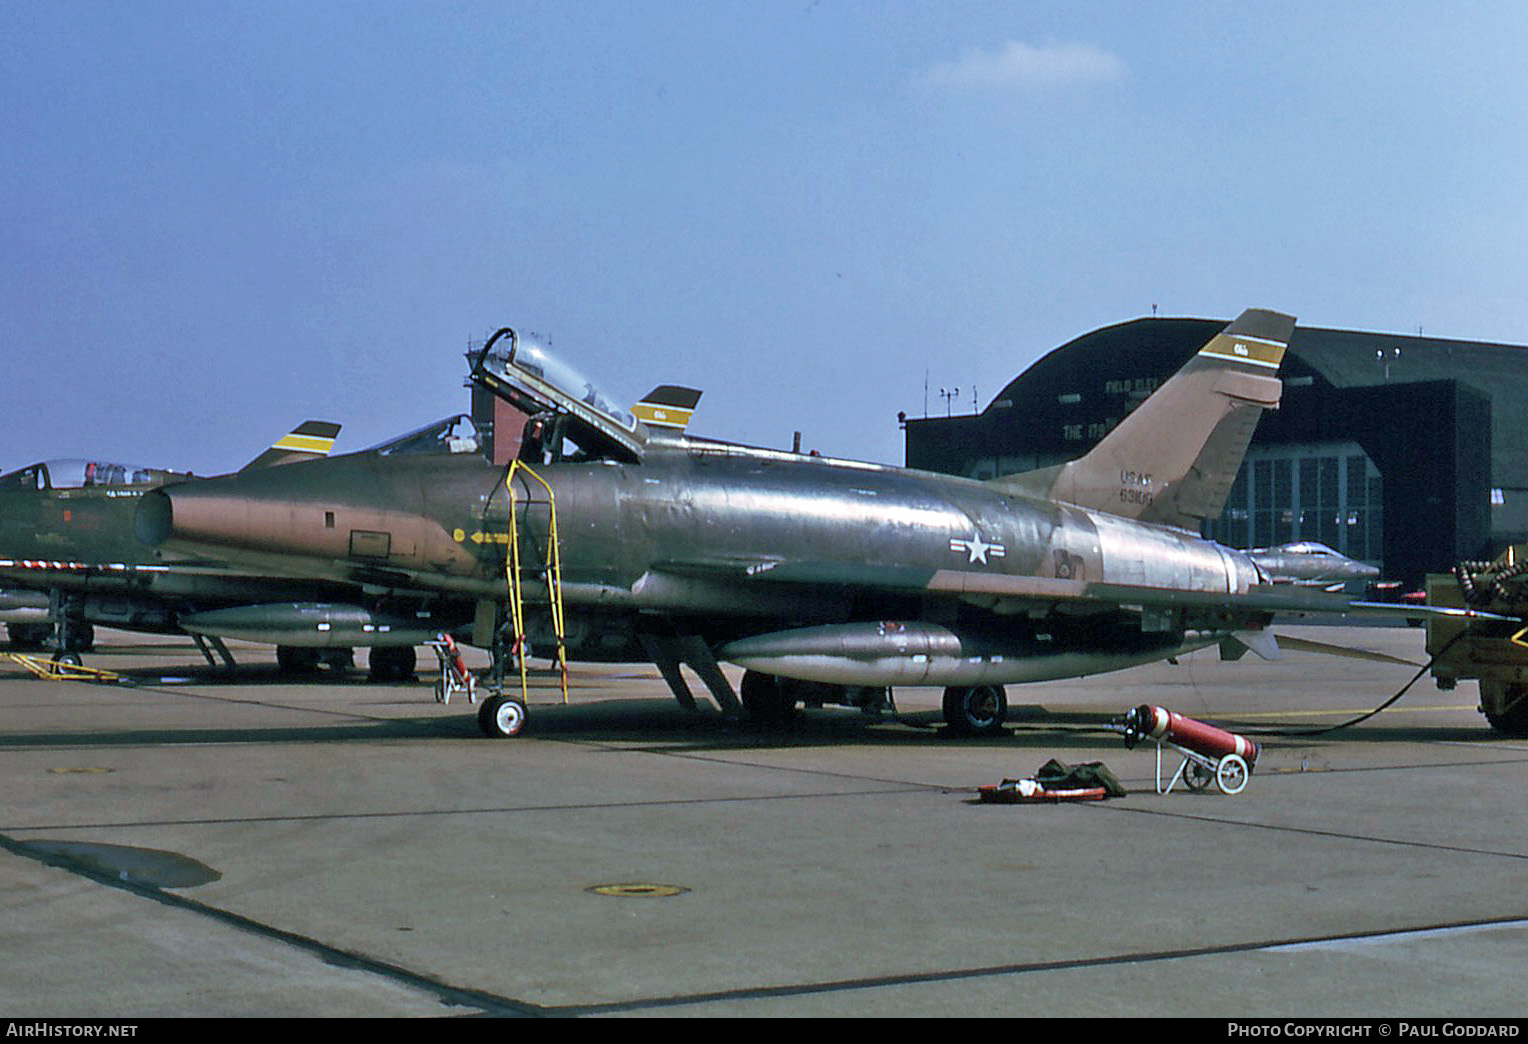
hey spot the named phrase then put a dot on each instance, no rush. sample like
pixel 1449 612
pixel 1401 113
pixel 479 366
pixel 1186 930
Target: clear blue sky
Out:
pixel 220 219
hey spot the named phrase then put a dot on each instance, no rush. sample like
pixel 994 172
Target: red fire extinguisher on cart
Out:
pixel 458 665
pixel 1159 723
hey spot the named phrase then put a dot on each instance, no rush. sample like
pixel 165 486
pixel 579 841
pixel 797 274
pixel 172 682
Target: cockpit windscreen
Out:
pixel 453 435
pixel 77 474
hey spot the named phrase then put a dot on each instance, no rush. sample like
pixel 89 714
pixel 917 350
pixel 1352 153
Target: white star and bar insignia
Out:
pixel 977 548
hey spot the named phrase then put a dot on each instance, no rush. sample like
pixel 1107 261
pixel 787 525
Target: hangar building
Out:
pixel 1405 452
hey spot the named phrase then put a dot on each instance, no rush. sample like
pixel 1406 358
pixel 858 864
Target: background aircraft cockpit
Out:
pixel 452 435
pixel 80 474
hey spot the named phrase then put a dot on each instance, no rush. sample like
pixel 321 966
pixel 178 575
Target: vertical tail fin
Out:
pixel 667 406
pixel 314 438
pixel 1173 459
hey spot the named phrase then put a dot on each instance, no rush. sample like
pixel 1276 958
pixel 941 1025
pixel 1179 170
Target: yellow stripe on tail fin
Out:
pixel 1173 459
pixel 667 406
pixel 310 439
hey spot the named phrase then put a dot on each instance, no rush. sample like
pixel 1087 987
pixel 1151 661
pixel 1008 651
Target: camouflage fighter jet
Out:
pixel 828 581
pixel 71 560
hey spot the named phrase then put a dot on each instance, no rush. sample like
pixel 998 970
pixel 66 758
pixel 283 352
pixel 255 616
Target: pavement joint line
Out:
pixel 796 770
pixel 1363 770
pixel 1312 832
pixel 1408 935
pixel 1255 715
pixel 454 996
pixel 1499 746
pixel 1031 967
pixel 496 1005
pixel 211 697
pixel 880 785
pixel 328 817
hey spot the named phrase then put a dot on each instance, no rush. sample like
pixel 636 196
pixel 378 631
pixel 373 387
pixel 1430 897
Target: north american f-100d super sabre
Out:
pixel 69 559
pixel 828 581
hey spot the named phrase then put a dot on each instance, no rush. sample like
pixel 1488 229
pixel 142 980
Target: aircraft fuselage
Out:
pixel 731 544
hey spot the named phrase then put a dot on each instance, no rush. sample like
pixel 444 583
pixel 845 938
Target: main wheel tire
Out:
pixel 339 659
pixel 501 717
pixel 1505 707
pixel 81 637
pixel 977 710
pixel 391 663
pixel 29 635
pixel 767 699
pixel 296 659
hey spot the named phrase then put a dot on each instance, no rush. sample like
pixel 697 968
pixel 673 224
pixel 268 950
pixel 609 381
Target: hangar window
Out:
pixel 1329 493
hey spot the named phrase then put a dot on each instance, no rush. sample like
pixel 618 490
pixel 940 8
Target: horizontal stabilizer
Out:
pixel 1306 645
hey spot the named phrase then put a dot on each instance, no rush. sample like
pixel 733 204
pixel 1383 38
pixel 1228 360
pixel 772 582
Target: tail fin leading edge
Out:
pixel 1173 459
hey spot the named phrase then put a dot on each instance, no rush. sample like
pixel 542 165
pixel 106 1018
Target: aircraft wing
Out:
pixel 1047 591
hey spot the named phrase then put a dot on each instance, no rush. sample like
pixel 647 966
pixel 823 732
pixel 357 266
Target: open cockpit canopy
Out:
pixel 528 376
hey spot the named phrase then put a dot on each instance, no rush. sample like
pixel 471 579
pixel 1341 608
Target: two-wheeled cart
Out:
pixel 1210 754
pixel 455 678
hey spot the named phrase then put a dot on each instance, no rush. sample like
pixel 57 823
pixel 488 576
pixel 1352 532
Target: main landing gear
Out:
pixel 389 663
pixel 772 700
pixel 977 710
pixel 769 699
pixel 302 659
pixel 69 637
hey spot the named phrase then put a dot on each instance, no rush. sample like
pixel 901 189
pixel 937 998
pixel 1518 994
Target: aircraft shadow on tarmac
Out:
pixel 659 721
pixel 1029 727
pixel 337 733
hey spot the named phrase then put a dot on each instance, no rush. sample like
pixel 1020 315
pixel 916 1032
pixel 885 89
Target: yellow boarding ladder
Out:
pixel 55 670
pixel 553 572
